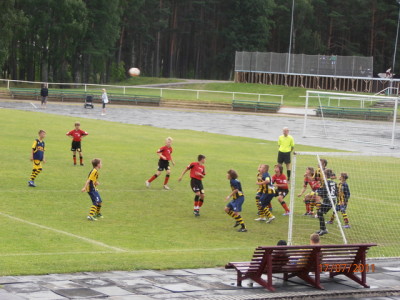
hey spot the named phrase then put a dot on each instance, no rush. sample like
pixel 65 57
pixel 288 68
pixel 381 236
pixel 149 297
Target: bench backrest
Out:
pixel 297 258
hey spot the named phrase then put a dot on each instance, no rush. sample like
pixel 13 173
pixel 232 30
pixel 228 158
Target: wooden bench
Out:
pixel 23 93
pixel 76 95
pixel 305 262
pixel 135 99
pixel 355 113
pixel 256 106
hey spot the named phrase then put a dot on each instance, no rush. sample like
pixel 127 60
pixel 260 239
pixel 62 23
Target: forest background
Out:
pixel 96 41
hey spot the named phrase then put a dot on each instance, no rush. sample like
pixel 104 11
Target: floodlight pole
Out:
pixel 395 47
pixel 291 37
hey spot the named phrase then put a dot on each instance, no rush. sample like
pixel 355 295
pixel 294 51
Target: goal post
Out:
pixel 370 212
pixel 360 118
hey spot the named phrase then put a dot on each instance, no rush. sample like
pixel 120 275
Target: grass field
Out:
pixel 44 229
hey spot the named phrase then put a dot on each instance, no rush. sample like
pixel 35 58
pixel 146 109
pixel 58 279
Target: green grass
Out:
pixel 152 228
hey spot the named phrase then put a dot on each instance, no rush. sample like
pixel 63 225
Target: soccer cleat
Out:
pixel 346 226
pixel 306 213
pixel 196 213
pixel 322 232
pixel 242 230
pixel 316 216
pixel 82 165
pixel 91 218
pixel 166 187
pixel 147 183
pixel 286 214
pixel 329 222
pixel 270 220
pixel 31 183
pixel 260 219
pixel 236 224
pixel 74 164
pixel 99 216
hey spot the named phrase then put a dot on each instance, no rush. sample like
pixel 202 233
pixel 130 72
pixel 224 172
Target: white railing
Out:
pixel 196 94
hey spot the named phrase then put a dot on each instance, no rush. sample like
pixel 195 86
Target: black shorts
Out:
pixel 104 105
pixel 197 185
pixel 282 193
pixel 76 146
pixel 163 165
pixel 284 157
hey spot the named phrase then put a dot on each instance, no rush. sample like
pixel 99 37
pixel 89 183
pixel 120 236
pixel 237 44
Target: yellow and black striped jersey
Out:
pixel 267 188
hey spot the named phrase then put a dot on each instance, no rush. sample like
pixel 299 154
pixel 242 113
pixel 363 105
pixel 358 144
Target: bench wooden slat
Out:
pixel 369 113
pixel 255 106
pixel 305 262
pixel 65 95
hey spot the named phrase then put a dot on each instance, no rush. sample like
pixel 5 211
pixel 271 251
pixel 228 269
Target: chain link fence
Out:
pixel 331 65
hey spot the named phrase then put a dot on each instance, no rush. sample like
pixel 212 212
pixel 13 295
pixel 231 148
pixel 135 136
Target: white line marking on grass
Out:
pixel 125 252
pixel 33 105
pixel 90 241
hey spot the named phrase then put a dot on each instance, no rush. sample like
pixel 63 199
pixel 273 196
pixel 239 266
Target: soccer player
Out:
pixel 163 163
pixel 37 157
pixel 76 135
pixel 234 207
pixel 267 193
pixel 281 187
pixel 326 204
pixel 197 173
pixel 286 146
pixel 311 198
pixel 91 188
pixel 259 191
pixel 343 199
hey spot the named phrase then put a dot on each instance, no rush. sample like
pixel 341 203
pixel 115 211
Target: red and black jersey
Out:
pixel 196 167
pixel 281 180
pixel 165 151
pixel 77 134
pixel 314 184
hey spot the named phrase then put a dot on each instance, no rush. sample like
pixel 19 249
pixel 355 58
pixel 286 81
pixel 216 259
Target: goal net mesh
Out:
pixel 372 208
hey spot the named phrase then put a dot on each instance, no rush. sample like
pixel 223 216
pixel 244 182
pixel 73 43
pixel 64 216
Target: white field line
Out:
pixel 90 241
pixel 146 251
pixel 33 105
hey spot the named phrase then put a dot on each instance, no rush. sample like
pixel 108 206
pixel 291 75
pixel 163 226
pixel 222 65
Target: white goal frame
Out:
pixel 294 180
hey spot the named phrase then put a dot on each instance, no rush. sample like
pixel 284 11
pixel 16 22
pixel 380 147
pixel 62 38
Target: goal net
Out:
pixel 356 200
pixel 359 118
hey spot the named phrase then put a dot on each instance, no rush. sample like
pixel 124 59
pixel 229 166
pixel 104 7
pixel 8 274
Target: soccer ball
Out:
pixel 134 72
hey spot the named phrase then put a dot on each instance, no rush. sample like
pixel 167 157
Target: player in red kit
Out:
pixel 281 187
pixel 77 134
pixel 197 173
pixel 163 164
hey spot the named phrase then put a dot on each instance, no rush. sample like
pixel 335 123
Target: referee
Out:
pixel 286 146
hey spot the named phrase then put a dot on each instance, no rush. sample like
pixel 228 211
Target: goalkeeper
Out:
pixel 326 204
pixel 343 199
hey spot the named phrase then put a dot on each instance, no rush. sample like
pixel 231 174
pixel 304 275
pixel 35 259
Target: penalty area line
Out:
pixel 90 241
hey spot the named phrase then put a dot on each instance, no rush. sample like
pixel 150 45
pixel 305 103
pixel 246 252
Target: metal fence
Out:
pixel 334 65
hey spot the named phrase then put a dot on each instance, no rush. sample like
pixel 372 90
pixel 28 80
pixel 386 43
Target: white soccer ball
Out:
pixel 134 72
